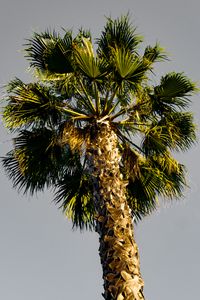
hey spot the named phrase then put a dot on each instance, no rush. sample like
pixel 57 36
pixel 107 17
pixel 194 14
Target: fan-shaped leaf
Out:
pixel 31 103
pixel 118 33
pixel 154 54
pixel 36 160
pixel 75 195
pixel 174 89
pixel 49 52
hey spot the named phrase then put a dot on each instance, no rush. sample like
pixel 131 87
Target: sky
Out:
pixel 41 257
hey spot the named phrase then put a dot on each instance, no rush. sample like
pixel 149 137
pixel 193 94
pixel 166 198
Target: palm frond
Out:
pixel 172 175
pixel 118 33
pixel 175 131
pixel 142 191
pixel 157 139
pixel 128 64
pixel 154 54
pixel 75 196
pixel 140 107
pixel 82 34
pixel 63 84
pixel 31 103
pixel 36 160
pixel 86 60
pixel 131 161
pixel 180 128
pixel 49 52
pixel 158 175
pixel 172 93
pixel 73 135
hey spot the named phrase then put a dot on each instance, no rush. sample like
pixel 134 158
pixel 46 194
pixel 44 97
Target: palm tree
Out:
pixel 94 127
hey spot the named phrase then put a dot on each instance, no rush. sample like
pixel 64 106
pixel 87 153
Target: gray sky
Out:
pixel 40 257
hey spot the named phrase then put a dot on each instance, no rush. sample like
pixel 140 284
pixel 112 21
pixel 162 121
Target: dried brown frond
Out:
pixel 131 161
pixel 75 137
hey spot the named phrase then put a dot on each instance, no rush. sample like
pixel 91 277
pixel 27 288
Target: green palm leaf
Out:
pixel 128 65
pixel 75 196
pixel 172 175
pixel 175 131
pixel 173 92
pixel 158 175
pixel 143 184
pixel 154 54
pixel 36 160
pixel 49 52
pixel 118 34
pixel 31 104
pixel 180 128
pixel 90 65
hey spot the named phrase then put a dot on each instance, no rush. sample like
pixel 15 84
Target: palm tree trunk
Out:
pixel 118 249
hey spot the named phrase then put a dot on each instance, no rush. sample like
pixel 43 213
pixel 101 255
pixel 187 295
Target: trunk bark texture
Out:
pixel 118 249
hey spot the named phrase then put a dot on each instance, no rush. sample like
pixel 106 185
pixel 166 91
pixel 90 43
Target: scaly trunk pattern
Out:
pixel 118 249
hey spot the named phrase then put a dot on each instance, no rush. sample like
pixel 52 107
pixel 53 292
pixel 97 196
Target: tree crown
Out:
pixel 75 89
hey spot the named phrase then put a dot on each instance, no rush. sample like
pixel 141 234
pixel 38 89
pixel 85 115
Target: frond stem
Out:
pixel 109 102
pixel 85 101
pixel 97 99
pixel 82 117
pixel 87 96
pixel 113 107
pixel 77 114
pixel 126 122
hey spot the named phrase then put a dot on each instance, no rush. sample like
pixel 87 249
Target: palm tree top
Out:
pixel 77 87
